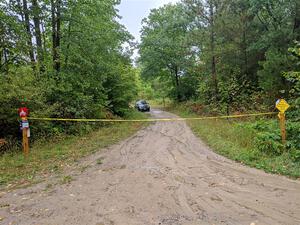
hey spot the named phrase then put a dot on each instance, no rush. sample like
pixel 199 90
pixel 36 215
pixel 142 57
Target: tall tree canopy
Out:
pixel 66 57
pixel 233 50
pixel 165 50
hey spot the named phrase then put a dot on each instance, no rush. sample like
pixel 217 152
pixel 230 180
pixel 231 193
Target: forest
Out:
pixel 233 54
pixel 221 57
pixel 214 148
pixel 73 59
pixel 63 58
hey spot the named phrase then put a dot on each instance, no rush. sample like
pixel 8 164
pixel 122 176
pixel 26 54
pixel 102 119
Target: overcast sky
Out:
pixel 133 11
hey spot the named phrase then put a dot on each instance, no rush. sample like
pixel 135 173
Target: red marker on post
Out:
pixel 23 112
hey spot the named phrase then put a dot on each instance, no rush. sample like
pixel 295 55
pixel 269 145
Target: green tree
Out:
pixel 71 58
pixel 164 50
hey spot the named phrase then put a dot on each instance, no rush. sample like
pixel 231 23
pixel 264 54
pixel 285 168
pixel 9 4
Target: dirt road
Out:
pixel 162 175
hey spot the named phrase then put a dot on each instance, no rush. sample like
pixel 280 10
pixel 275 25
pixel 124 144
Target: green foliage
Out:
pixel 52 157
pixel 295 154
pixel 293 131
pixel 227 53
pixel 268 137
pixel 165 52
pixel 270 77
pixel 87 75
pixel 231 57
pixel 269 143
pixel 121 89
pixel 21 82
pixel 293 77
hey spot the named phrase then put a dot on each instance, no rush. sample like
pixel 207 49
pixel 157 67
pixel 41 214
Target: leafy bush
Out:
pixel 91 75
pixel 268 137
pixel 295 154
pixel 70 97
pixel 293 130
pixel 269 143
pixel 19 83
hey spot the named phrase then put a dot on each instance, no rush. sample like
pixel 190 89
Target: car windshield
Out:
pixel 142 102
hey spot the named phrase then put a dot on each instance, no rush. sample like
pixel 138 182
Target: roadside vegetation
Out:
pixel 255 142
pixel 213 57
pixel 51 156
pixel 67 59
pixel 63 59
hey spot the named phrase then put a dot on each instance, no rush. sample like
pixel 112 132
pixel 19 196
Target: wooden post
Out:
pixel 282 106
pixel 282 127
pixel 25 141
pixel 23 113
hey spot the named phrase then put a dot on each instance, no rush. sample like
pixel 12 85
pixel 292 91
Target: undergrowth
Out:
pixel 52 156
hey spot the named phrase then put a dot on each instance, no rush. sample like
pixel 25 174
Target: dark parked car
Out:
pixel 142 106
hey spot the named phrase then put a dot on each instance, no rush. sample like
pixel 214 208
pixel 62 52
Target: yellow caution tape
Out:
pixel 153 120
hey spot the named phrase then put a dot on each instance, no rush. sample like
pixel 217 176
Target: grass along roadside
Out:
pixel 236 140
pixel 53 156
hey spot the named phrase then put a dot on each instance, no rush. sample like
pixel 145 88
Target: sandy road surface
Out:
pixel 162 175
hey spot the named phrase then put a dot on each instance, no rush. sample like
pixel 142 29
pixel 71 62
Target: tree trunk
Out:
pixel 20 10
pixel 43 34
pixel 38 35
pixel 29 36
pixel 245 52
pixel 69 43
pixel 55 21
pixel 5 51
pixel 244 45
pixel 297 21
pixel 177 83
pixel 53 24
pixel 212 45
pixel 58 22
pixel 1 56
